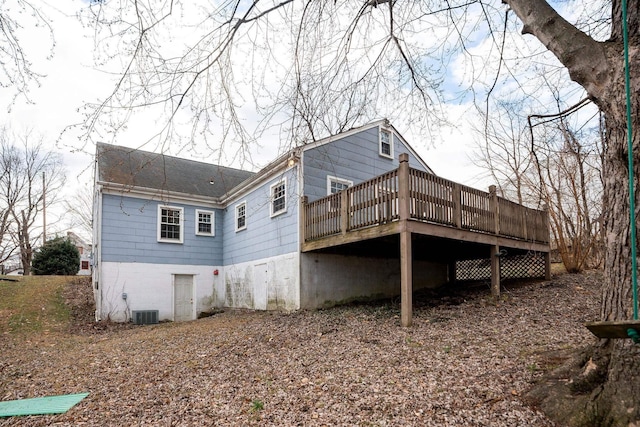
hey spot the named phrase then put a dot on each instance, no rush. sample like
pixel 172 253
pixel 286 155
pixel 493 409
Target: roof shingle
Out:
pixel 137 168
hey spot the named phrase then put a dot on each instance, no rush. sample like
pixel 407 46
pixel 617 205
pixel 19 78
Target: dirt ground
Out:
pixel 468 360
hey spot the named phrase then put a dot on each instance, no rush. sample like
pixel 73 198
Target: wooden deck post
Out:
pixel 406 254
pixel 547 255
pixel 457 205
pixel 493 207
pixel 303 219
pixel 495 270
pixel 451 271
pixel 344 212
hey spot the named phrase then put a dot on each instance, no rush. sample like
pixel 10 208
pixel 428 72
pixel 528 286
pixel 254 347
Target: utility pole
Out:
pixel 44 211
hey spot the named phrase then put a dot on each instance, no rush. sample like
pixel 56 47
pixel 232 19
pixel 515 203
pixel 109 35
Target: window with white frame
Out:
pixel 335 185
pixel 386 143
pixel 205 223
pixel 170 226
pixel 278 197
pixel 241 216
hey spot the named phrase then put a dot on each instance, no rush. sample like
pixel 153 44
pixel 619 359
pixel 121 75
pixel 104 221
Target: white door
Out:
pixel 260 275
pixel 182 297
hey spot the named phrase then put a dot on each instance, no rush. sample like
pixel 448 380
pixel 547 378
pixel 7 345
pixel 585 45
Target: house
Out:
pixel 84 249
pixel 313 228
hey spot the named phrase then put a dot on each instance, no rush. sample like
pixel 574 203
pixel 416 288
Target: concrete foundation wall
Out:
pixel 328 279
pixel 266 284
pixel 150 287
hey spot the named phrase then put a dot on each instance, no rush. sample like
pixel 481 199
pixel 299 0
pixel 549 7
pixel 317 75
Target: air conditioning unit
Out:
pixel 144 317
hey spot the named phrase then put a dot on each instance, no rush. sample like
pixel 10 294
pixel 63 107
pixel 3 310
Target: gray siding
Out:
pixel 129 234
pixel 355 157
pixel 264 236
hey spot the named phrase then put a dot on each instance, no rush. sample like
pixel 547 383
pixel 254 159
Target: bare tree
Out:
pixel 6 245
pixel 23 189
pixel 381 45
pixel 17 72
pixel 572 189
pixel 563 171
pixel 503 150
pixel 79 209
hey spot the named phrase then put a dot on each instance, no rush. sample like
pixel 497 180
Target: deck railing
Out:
pixel 431 199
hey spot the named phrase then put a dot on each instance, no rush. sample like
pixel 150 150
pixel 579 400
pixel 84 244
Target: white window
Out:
pixel 386 143
pixel 170 227
pixel 241 216
pixel 278 193
pixel 205 223
pixel 335 185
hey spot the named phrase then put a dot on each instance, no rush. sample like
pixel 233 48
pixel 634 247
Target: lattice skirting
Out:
pixel 511 267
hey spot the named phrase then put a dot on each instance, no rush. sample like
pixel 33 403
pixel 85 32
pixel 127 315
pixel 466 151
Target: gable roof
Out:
pixel 378 123
pixel 136 168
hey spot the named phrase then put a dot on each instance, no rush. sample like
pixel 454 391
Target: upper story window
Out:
pixel 335 185
pixel 278 197
pixel 386 143
pixel 205 223
pixel 170 227
pixel 241 216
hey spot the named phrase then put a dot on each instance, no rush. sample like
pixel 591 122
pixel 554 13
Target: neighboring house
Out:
pixel 84 249
pixel 184 237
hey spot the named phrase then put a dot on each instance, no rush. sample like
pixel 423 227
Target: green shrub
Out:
pixel 58 256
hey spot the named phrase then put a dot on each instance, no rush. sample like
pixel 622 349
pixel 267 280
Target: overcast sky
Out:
pixel 71 79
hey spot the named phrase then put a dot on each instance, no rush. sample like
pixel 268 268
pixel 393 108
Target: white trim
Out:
pixel 272 199
pixel 276 168
pixel 181 224
pixel 382 130
pixel 161 196
pixel 213 223
pixel 331 178
pixel 332 138
pixel 378 123
pixel 235 223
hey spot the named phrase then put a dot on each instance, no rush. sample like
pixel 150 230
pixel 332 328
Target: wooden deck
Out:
pixel 407 201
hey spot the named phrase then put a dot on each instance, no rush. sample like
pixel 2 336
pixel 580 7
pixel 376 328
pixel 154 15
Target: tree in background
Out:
pixel 571 186
pixel 59 257
pixel 23 191
pixel 7 247
pixel 79 209
pixel 18 18
pixel 543 161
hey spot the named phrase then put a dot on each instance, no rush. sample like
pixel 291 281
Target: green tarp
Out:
pixel 40 405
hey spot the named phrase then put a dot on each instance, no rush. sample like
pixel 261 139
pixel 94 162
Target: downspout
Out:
pixel 97 250
pixel 300 216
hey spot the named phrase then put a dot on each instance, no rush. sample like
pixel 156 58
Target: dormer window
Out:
pixel 386 143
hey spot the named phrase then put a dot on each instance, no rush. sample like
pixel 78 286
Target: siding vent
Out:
pixel 144 317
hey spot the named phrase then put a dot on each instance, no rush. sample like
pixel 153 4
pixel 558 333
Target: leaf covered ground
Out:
pixel 468 360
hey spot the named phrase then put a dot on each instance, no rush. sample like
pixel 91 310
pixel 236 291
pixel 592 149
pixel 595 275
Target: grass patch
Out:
pixel 33 304
pixel 257 405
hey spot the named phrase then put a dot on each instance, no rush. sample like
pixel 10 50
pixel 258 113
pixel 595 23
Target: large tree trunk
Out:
pixel 599 68
pixel 617 400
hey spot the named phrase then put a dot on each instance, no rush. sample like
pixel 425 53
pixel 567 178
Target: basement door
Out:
pixel 260 275
pixel 182 297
